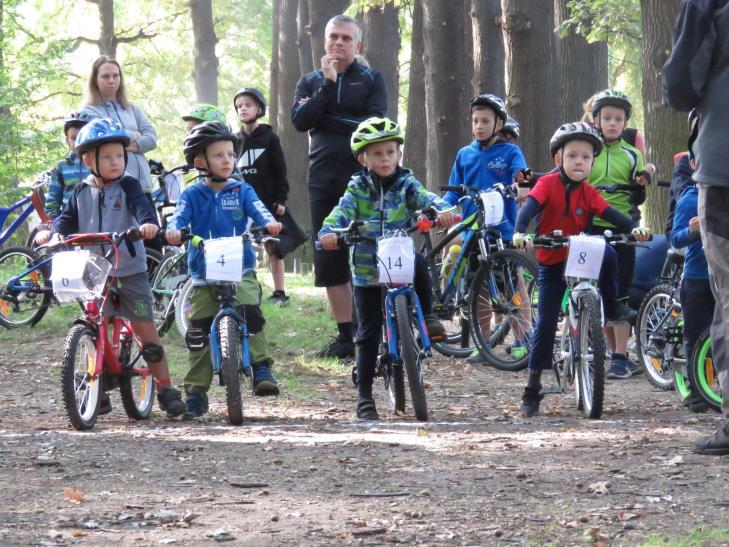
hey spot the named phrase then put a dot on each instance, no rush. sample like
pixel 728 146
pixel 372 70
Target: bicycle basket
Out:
pixel 79 275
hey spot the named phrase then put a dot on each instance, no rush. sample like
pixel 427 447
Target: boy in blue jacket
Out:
pixel 219 206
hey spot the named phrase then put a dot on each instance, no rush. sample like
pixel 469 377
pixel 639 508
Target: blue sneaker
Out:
pixel 619 369
pixel 264 384
pixel 197 405
pixel 633 367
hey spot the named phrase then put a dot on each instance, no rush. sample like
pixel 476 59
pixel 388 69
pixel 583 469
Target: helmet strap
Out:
pixel 96 166
pixel 209 174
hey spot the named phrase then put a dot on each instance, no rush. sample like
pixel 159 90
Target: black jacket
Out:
pixel 261 163
pixel 331 111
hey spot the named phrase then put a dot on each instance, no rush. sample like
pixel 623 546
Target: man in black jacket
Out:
pixel 329 103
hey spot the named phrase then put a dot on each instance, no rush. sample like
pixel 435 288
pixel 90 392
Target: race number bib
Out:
pixel 585 257
pixel 78 275
pixel 396 260
pixel 224 259
pixel 493 208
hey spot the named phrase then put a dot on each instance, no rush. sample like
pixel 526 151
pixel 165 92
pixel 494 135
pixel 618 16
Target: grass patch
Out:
pixel 695 536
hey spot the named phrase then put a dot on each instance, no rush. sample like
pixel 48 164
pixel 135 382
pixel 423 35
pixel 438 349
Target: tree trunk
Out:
pixel 488 47
pixel 445 86
pixel 381 45
pixel 294 143
pixel 583 66
pixel 532 81
pixel 205 70
pixel 273 92
pixel 107 39
pixel 417 126
pixel 320 11
pixel 665 128
pixel 304 41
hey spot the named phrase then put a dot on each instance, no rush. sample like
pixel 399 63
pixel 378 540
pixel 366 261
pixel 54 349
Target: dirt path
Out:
pixel 306 473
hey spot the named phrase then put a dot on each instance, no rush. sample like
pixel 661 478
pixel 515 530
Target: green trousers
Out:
pixel 204 306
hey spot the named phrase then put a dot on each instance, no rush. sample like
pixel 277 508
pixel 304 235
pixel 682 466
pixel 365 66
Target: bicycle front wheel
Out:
pixel 410 356
pixel 136 385
pixel 652 335
pixel 230 355
pixel 702 373
pixel 591 346
pixel 154 259
pixel 503 299
pixel 80 388
pixel 170 275
pixel 183 308
pixel 25 307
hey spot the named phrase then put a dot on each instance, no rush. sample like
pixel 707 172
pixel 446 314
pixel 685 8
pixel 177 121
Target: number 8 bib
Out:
pixel 585 257
pixel 396 262
pixel 224 259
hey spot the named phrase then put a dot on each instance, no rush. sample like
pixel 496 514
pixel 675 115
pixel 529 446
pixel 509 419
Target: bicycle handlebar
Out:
pixel 556 240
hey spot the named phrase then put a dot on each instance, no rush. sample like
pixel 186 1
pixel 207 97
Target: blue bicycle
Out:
pixel 23 209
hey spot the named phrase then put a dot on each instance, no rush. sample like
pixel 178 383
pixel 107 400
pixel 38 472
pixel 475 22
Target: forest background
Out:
pixel 545 56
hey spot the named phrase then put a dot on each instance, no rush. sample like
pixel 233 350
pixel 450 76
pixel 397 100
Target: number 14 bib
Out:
pixel 396 260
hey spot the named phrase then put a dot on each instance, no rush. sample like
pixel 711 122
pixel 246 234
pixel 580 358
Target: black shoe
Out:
pixel 716 444
pixel 619 312
pixel 337 348
pixel 695 404
pixel 170 400
pixel 279 298
pixel 367 411
pixel 104 404
pixel 530 401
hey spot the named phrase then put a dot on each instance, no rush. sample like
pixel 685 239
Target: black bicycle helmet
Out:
pixel 203 135
pixel 511 126
pixel 257 95
pixel 493 101
pixel 575 131
pixel 76 119
pixel 610 97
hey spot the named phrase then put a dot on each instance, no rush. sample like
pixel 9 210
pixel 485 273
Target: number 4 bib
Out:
pixel 224 259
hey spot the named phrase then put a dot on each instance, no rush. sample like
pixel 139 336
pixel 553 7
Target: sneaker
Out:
pixel 476 358
pixel 170 400
pixel 436 330
pixel 519 351
pixel 264 384
pixel 619 369
pixel 279 298
pixel 337 348
pixel 619 312
pixel 530 401
pixel 366 410
pixel 197 405
pixel 104 404
pixel 695 404
pixel 634 368
pixel 716 444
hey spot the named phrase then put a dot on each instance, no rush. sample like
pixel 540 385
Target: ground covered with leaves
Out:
pixel 301 470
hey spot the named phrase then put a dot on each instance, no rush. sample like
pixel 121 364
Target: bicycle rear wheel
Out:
pixel 81 391
pixel 652 336
pixel 170 275
pixel 702 373
pixel 457 341
pixel 231 370
pixel 26 307
pixel 503 294
pixel 154 259
pixel 410 356
pixel 136 385
pixel 591 346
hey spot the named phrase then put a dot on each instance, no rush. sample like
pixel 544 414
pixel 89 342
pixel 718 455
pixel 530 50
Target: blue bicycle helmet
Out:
pixel 100 131
pixel 76 119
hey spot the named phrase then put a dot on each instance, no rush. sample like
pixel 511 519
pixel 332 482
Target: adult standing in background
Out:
pixel 696 75
pixel 329 103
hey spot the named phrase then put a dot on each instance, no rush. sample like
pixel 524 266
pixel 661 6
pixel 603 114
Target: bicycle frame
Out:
pixel 17 285
pixel 391 333
pixel 28 204
pixel 229 310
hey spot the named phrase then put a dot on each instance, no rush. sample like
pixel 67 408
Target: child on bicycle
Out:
pixel 261 163
pixel 219 206
pixel 622 164
pixel 109 200
pixel 384 195
pixel 565 201
pixel 488 160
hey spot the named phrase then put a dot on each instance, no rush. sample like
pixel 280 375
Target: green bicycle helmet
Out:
pixel 610 97
pixel 204 112
pixel 374 130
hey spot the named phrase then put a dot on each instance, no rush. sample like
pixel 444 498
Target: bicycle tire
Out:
pixel 395 385
pixel 154 259
pixel 591 372
pixel 410 356
pixel 702 374
pixel 83 410
pixel 136 390
pixel 166 275
pixel 230 368
pixel 14 261
pixel 500 271
pixel 183 308
pixel 653 309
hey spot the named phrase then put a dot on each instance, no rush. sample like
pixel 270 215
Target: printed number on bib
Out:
pixel 78 275
pixel 396 260
pixel 585 257
pixel 493 208
pixel 224 259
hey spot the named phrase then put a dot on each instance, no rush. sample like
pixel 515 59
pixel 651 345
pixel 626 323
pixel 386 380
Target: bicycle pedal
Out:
pixel 551 390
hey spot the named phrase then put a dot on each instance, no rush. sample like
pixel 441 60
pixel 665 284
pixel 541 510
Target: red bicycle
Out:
pixel 95 359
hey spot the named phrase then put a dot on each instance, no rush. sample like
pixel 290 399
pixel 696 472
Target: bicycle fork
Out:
pixel 215 354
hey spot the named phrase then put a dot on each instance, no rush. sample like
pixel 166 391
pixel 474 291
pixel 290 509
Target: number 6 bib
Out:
pixel 396 262
pixel 585 257
pixel 224 259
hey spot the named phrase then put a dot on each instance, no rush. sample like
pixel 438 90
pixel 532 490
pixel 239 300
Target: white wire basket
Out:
pixel 79 275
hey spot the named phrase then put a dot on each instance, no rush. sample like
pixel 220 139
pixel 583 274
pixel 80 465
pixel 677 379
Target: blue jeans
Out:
pixel 552 286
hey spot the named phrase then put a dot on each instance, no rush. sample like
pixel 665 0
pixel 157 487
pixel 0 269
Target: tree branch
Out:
pixel 38 101
pixel 82 40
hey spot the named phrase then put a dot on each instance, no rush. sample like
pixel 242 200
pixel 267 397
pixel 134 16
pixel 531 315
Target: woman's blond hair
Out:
pixel 93 94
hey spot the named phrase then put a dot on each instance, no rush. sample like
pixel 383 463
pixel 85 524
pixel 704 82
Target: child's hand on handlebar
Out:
pixel 42 237
pixel 274 228
pixel 173 237
pixel 445 219
pixel 148 231
pixel 640 233
pixel 522 241
pixel 328 242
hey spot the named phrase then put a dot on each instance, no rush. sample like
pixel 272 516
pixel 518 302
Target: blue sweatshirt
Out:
pixel 211 214
pixel 695 266
pixel 479 167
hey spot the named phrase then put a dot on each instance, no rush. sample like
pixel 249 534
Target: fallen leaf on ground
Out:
pixel 600 487
pixel 73 495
